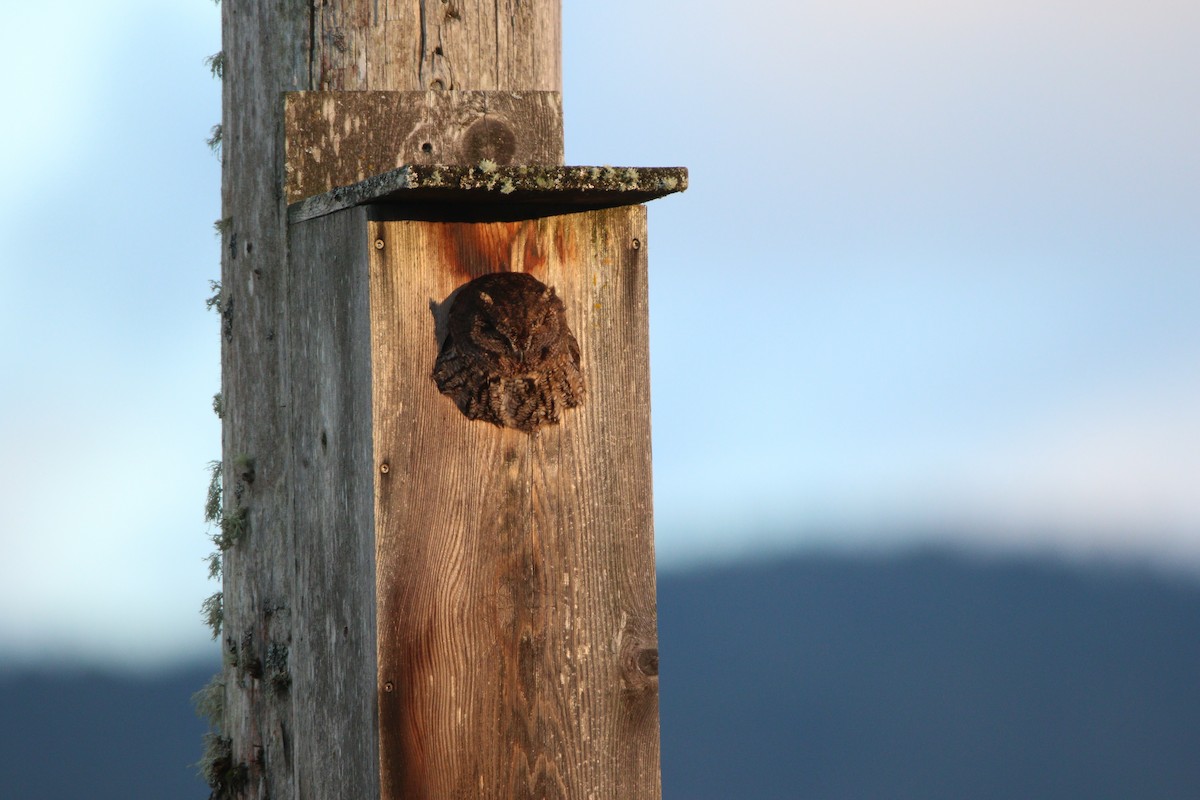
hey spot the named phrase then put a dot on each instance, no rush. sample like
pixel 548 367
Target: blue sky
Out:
pixel 936 279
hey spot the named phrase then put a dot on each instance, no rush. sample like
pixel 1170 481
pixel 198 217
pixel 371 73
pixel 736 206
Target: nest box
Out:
pixel 507 623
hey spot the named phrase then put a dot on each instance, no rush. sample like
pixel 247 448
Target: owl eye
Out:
pixel 488 331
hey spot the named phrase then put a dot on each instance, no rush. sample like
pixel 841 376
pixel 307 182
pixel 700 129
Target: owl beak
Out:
pixel 522 347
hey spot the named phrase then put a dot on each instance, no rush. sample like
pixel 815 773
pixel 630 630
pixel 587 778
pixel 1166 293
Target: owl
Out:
pixel 509 357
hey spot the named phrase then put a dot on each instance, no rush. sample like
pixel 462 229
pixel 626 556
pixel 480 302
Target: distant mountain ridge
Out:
pixel 929 676
pixel 926 675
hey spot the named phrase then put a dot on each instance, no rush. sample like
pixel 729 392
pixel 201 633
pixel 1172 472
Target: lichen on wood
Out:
pixel 539 189
pixel 215 136
pixel 226 777
pixel 213 301
pixel 216 64
pixel 213 611
pixel 209 701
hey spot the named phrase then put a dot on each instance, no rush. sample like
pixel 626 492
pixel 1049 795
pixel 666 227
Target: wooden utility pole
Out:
pixel 416 604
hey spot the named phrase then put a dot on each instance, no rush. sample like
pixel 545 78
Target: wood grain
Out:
pixel 339 138
pixel 515 572
pixel 332 653
pixel 437 45
pixel 266 50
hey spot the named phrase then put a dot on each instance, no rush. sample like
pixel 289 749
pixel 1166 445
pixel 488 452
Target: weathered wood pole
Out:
pixel 419 605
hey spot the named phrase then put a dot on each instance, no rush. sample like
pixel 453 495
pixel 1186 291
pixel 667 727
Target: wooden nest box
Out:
pixel 491 586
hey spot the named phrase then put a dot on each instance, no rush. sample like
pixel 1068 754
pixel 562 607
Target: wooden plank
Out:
pixel 407 45
pixel 339 138
pixel 496 192
pixel 332 664
pixel 258 570
pixel 515 572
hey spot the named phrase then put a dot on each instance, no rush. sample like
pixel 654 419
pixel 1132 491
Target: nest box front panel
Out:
pixel 511 424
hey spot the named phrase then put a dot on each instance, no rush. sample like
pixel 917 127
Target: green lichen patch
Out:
pixel 243 467
pixel 229 527
pixel 212 501
pixel 216 64
pixel 213 612
pixel 215 563
pixel 209 701
pixel 214 138
pixel 226 778
pixel 213 301
pixel 233 529
pixel 275 668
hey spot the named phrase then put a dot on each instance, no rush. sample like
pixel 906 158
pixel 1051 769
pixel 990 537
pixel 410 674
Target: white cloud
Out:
pixel 1127 461
pixel 1115 474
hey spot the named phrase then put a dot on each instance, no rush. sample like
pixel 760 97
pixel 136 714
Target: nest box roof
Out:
pixel 489 191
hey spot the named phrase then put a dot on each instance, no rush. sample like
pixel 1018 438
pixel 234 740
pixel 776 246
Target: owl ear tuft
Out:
pixel 486 298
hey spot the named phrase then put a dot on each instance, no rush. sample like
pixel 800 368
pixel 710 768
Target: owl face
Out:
pixel 518 323
pixel 509 356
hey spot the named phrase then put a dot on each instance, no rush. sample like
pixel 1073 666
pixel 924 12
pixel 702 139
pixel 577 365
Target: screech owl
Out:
pixel 509 357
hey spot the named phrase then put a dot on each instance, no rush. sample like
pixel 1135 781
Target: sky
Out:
pixel 936 279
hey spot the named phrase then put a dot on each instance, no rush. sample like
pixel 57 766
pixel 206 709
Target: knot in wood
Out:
pixel 489 139
pixel 647 662
pixel 639 663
